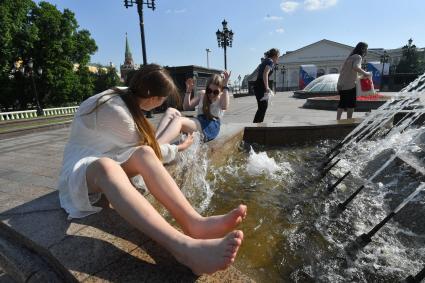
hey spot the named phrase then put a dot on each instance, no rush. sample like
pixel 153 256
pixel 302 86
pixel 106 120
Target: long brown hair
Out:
pixel 149 81
pixel 206 104
pixel 360 49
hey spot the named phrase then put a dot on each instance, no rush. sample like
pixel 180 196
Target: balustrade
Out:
pixel 27 114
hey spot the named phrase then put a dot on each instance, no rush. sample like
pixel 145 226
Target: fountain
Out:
pixel 322 93
pixel 322 86
pixel 332 212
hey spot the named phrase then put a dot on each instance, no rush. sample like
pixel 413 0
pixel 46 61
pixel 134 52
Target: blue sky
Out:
pixel 178 32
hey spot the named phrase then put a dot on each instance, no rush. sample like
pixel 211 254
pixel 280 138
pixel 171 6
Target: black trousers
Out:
pixel 262 105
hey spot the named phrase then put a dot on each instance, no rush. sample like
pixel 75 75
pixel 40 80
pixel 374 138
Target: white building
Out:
pixel 327 55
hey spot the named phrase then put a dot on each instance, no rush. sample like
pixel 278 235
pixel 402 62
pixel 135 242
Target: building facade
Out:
pixel 328 56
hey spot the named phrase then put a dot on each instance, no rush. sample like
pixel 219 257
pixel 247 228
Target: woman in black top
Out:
pixel 261 88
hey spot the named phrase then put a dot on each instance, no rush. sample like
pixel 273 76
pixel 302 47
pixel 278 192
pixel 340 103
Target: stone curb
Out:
pixel 25 261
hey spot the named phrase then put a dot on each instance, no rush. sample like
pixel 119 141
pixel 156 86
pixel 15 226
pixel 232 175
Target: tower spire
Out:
pixel 128 61
pixel 128 57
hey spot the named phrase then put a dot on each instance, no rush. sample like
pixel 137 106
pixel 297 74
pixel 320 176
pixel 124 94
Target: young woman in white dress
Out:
pixel 110 142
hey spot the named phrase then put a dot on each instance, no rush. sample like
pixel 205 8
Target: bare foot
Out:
pixel 211 255
pixel 216 226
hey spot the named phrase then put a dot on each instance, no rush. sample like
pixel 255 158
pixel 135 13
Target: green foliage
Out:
pixel 106 79
pixel 52 39
pixel 412 60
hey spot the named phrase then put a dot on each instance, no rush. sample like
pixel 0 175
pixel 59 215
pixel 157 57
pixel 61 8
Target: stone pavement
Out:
pixel 283 109
pixel 103 247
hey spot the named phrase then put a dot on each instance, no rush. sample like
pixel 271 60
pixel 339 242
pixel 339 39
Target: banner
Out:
pixel 376 69
pixel 307 74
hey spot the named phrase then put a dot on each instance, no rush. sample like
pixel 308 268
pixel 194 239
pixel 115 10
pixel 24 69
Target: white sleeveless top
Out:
pixel 215 108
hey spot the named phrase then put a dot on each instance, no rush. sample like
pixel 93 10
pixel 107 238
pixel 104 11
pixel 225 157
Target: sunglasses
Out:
pixel 215 92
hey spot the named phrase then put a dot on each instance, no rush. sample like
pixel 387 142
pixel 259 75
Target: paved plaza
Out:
pixel 103 247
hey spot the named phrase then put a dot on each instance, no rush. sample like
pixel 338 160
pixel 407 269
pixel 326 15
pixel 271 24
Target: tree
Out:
pixel 13 29
pixel 412 61
pixel 106 78
pixel 60 48
pixel 52 40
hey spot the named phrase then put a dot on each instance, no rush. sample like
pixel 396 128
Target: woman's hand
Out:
pixel 186 143
pixel 226 75
pixel 190 83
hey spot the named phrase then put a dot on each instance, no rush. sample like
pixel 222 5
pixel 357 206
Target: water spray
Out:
pixel 365 239
pixel 331 188
pixel 370 126
pixel 342 206
pixel 329 168
pixel 359 128
pixel 417 278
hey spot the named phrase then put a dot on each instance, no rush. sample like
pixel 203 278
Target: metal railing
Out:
pixel 27 114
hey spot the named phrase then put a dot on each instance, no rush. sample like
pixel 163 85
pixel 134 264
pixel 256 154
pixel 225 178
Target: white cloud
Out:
pixel 289 6
pixel 180 11
pixel 272 18
pixel 184 10
pixel 312 5
pixel 280 30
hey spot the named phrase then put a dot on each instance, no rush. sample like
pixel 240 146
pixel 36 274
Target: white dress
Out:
pixel 109 131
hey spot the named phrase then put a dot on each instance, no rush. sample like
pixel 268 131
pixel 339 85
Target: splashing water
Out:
pixel 260 163
pixel 191 172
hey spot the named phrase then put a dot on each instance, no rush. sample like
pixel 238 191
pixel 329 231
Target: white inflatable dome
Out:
pixel 325 83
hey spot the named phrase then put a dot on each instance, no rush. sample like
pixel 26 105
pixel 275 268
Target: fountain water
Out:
pixel 292 233
pixel 404 138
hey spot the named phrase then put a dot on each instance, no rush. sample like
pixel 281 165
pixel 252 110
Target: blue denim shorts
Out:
pixel 210 128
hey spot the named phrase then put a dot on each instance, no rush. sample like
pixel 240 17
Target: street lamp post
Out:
pixel 384 59
pixel 208 60
pixel 29 72
pixel 224 40
pixel 151 5
pixel 283 77
pixel 239 79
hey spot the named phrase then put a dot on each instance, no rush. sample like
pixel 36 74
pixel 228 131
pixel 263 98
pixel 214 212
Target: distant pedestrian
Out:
pixel 261 88
pixel 346 85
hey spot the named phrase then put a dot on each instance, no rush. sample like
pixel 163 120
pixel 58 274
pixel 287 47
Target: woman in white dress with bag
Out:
pixel 110 142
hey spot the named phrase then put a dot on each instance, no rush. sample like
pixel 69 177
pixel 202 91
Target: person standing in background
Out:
pixel 346 85
pixel 261 89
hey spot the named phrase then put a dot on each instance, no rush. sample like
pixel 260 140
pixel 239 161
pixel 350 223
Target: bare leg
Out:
pixel 162 186
pixel 174 127
pixel 339 113
pixel 166 119
pixel 350 112
pixel 202 256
